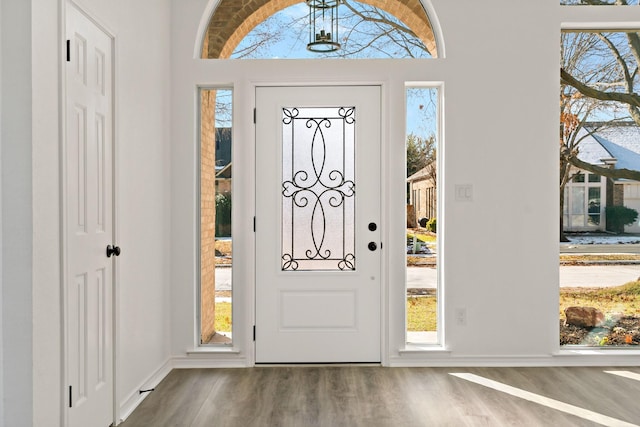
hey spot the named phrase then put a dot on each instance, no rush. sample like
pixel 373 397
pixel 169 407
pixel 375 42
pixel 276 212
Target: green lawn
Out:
pixel 421 310
pixel 623 299
pixel 223 316
pixel 421 313
pixel 424 237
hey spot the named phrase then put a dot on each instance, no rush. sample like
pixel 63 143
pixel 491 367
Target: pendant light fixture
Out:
pixel 323 25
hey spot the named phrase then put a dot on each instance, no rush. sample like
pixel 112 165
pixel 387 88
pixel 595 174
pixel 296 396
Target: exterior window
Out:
pixel 577 207
pixel 391 30
pixel 583 203
pixel 600 125
pixel 594 206
pixel 422 288
pixel 215 216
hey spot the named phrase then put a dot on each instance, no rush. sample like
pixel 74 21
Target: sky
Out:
pixel 278 44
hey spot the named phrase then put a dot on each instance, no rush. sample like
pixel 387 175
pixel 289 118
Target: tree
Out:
pixel 606 73
pixel 575 108
pixel 420 153
pixel 373 28
pixel 598 75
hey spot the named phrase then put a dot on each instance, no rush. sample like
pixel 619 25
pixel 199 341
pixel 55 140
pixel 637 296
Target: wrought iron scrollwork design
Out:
pixel 348 263
pixel 288 263
pixel 319 187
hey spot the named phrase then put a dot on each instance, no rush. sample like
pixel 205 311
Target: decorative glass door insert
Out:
pixel 318 188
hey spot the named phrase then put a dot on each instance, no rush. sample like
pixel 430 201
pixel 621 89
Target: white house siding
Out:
pixel 422 195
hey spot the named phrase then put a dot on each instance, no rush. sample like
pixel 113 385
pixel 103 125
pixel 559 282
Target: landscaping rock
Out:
pixel 586 317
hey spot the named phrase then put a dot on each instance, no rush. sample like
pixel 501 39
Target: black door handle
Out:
pixel 372 246
pixel 113 250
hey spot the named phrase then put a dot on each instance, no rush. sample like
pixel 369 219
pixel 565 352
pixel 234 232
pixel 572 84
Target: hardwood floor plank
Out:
pixel 367 396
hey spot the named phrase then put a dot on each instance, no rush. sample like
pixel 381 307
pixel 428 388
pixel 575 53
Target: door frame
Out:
pixel 251 95
pixel 62 136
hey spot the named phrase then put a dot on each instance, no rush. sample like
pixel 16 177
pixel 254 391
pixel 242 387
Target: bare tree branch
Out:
pixel 627 98
pixel 610 173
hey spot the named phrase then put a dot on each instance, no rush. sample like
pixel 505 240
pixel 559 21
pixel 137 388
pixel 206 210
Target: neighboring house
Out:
pixel 422 192
pixel 223 160
pixel 223 179
pixel 587 194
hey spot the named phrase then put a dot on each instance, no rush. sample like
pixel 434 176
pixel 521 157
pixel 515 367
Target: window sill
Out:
pixel 597 351
pixel 213 350
pixel 411 348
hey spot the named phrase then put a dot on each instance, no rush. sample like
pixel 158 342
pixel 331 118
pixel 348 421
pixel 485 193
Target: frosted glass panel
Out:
pixel 318 188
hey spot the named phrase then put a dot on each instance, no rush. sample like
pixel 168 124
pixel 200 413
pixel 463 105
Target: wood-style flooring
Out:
pixel 369 396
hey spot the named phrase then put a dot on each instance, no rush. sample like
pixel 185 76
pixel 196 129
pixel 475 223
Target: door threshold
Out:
pixel 318 364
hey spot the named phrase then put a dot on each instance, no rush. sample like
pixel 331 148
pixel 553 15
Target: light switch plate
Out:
pixel 464 192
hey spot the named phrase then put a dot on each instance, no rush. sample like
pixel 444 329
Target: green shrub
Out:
pixel 223 214
pixel 619 216
pixel 431 225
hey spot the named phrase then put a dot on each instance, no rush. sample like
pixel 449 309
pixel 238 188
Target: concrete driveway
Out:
pixel 570 276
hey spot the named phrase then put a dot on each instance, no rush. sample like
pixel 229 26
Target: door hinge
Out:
pixel 254 332
pixel 70 396
pixel 254 115
pixel 68 50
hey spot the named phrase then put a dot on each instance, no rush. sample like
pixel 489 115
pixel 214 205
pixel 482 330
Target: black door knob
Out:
pixel 373 226
pixel 113 250
pixel 372 246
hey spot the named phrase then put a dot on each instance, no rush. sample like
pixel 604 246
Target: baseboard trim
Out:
pixel 613 358
pixel 135 397
pixel 206 361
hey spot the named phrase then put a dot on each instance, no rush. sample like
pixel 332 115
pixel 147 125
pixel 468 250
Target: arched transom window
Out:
pixel 280 29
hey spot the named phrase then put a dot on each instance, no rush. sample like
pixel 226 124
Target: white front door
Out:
pixel 88 222
pixel 318 262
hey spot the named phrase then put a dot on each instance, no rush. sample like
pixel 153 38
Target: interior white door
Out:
pixel 318 246
pixel 89 222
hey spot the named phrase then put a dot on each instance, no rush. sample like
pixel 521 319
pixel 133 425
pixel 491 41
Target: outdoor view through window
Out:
pixel 216 254
pixel 422 210
pixel 599 189
pixel 364 32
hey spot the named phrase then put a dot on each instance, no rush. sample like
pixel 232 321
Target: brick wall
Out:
pixel 207 216
pixel 618 195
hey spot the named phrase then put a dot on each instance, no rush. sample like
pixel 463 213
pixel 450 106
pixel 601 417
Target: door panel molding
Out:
pixel 87 195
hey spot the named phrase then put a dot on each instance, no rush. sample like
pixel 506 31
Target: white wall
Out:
pixel 16 212
pixel 499 252
pixel 47 386
pixel 1 241
pixel 141 29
